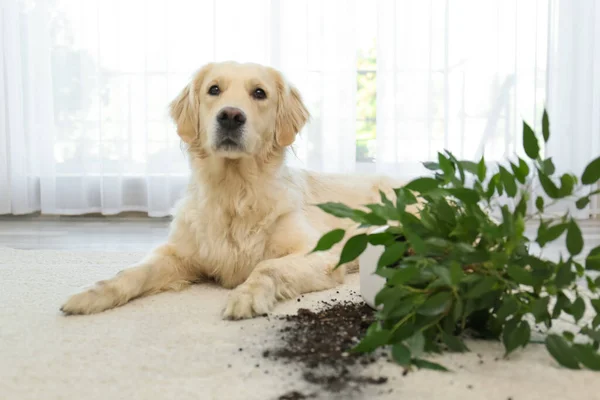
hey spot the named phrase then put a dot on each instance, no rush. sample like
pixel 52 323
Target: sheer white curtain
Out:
pixel 463 74
pixel 574 87
pixel 25 107
pixel 84 86
pixel 458 75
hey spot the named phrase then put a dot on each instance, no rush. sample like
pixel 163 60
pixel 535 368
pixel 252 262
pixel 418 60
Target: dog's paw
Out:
pixel 90 301
pixel 247 301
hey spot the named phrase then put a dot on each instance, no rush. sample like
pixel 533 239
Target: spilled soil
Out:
pixel 320 342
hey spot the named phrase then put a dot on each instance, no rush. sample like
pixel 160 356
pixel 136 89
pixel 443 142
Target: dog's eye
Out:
pixel 259 94
pixel 214 90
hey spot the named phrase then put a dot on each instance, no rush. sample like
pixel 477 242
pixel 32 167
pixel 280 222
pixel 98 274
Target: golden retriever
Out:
pixel 247 221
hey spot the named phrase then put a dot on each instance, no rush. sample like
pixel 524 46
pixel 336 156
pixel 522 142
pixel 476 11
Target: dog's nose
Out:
pixel 231 118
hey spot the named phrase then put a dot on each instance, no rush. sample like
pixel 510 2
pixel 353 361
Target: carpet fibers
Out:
pixel 176 346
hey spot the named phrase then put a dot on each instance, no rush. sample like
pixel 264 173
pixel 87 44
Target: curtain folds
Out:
pixel 84 87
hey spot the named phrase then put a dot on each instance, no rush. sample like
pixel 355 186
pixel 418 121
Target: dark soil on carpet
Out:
pixel 320 342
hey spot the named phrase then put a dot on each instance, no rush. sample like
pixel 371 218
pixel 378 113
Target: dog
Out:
pixel 247 221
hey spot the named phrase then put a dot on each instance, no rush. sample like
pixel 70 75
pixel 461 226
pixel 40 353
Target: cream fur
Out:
pixel 247 221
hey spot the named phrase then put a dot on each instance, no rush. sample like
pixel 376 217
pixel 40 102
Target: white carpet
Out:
pixel 176 346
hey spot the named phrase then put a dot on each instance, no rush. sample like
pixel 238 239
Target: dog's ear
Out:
pixel 185 108
pixel 184 111
pixel 292 114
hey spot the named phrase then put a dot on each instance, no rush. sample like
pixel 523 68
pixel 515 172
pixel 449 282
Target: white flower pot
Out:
pixel 370 284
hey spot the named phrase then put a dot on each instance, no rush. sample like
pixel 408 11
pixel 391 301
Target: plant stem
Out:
pixel 402 321
pixel 412 289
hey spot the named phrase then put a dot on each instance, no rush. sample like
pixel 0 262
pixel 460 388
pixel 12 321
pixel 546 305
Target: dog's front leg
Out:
pixel 161 270
pixel 283 278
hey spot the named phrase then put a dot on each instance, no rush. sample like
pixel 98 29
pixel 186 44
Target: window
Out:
pixel 366 73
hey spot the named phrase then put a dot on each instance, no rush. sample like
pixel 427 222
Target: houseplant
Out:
pixel 453 270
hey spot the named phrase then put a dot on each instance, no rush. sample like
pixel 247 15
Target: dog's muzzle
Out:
pixel 231 123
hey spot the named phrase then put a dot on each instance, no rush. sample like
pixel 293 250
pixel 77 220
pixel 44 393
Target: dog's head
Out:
pixel 236 110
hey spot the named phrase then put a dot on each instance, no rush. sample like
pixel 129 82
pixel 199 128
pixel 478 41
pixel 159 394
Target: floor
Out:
pixel 131 233
pixel 83 233
pixel 176 344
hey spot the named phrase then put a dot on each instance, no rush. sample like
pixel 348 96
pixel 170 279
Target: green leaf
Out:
pixel 384 198
pixel 401 354
pixel 337 209
pixel 582 203
pixel 592 261
pixel 523 167
pixel 399 308
pixel 482 287
pixel 353 248
pixel 372 341
pixel 458 165
pixel 390 294
pixel 443 273
pixel 596 321
pixel 591 174
pixel 508 181
pixel 539 204
pixel 404 274
pixel 454 343
pixel 343 211
pixel 447 166
pixel 567 184
pixel 561 351
pixel 592 334
pixel 385 272
pixel 368 219
pixel 587 356
pixel 437 243
pixel 522 334
pixel 467 196
pixel 456 273
pixel 422 185
pixel 392 254
pixel 562 303
pixel 548 166
pixel 549 187
pixel 577 309
pixel 457 310
pixel 481 169
pixel 381 238
pixel 386 212
pixel 530 142
pixel 518 173
pixel 520 275
pixel 432 166
pixel 509 307
pixel 404 197
pixel 550 234
pixel 579 268
pixel 574 238
pixel 329 239
pixel 541 270
pixel 414 240
pixel 424 364
pixel 545 126
pixel 539 309
pixel 564 275
pixel 436 304
pixel 516 333
pixel 416 344
pixel 470 166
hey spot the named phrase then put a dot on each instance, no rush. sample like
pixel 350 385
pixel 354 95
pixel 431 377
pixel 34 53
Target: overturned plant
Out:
pixel 453 269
